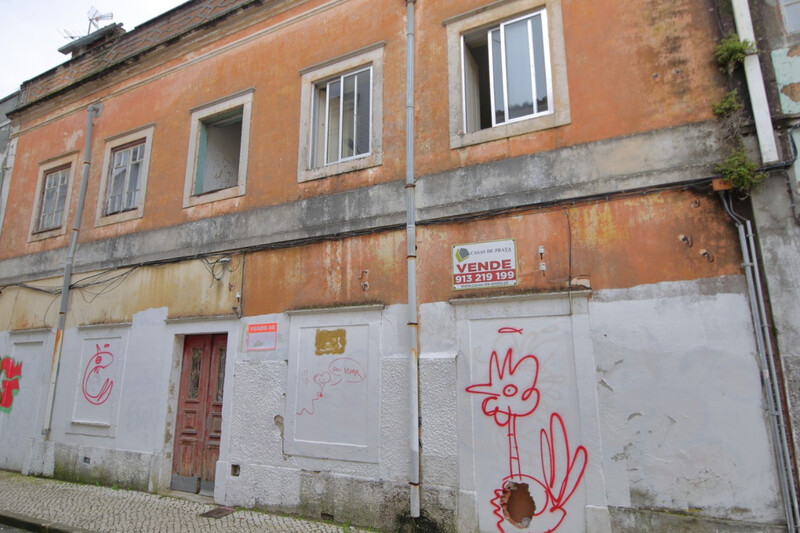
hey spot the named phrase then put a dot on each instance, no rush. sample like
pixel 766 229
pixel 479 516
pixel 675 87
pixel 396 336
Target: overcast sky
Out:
pixel 32 31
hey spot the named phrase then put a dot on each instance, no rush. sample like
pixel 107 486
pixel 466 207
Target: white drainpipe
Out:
pixel 411 254
pixel 755 84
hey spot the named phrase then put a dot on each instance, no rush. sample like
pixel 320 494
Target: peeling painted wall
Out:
pixel 681 403
pixel 786 62
pixel 202 287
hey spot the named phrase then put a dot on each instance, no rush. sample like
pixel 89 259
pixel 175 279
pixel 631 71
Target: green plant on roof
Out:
pixel 730 104
pixel 731 51
pixel 740 171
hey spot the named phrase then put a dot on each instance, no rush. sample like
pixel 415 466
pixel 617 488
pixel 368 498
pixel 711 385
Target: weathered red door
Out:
pixel 199 422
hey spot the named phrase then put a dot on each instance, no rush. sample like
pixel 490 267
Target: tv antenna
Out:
pixel 95 16
pixel 66 34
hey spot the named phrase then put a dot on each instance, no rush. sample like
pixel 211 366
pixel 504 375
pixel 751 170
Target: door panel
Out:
pixel 213 419
pixel 199 422
pixel 23 378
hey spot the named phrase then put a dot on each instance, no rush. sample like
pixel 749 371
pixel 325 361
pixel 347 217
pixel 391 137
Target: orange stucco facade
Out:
pixel 626 259
pixel 611 95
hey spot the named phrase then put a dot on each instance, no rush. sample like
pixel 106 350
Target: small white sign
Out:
pixel 484 264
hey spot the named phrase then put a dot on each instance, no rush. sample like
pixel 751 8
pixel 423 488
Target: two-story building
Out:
pixel 452 261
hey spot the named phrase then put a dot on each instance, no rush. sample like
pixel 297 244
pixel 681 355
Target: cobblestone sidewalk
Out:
pixel 71 507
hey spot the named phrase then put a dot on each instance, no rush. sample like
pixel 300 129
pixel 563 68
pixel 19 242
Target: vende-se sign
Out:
pixel 485 264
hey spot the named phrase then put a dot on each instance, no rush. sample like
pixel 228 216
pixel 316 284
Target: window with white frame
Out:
pixel 341 116
pixel 507 71
pixel 791 15
pixel 124 180
pixel 219 138
pixel 53 199
pixel 49 216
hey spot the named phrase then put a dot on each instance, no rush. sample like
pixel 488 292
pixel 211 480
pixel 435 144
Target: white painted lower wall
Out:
pixel 648 403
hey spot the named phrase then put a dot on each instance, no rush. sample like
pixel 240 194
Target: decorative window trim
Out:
pixel 243 99
pixel 371 56
pixel 45 167
pixel 486 17
pixel 144 133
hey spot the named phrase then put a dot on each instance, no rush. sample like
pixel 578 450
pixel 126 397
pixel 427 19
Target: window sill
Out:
pixel 352 165
pixel 116 218
pixel 207 198
pixel 48 234
pixel 553 120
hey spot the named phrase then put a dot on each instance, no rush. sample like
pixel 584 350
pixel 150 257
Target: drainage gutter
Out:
pixel 755 84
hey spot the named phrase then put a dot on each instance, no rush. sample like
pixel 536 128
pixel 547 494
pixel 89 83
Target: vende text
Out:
pixel 485 266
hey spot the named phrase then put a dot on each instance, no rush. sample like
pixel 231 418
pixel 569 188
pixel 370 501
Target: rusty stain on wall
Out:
pixel 308 276
pixel 187 288
pixel 615 244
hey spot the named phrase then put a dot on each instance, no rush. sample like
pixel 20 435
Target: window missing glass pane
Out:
pixel 53 199
pixel 124 178
pixel 341 118
pixel 216 164
pixel 506 72
pixel 218 152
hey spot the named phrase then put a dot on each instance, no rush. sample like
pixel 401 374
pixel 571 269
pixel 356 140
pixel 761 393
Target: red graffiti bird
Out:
pixel 94 392
pixel 510 394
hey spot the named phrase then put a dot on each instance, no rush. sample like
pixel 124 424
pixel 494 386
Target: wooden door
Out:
pixel 199 421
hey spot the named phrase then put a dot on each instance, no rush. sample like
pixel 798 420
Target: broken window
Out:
pixel 219 140
pixel 124 183
pixel 122 193
pixel 218 154
pixel 53 199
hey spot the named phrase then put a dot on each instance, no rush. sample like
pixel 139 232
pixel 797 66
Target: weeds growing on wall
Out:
pixel 737 168
pixel 731 51
pixel 740 171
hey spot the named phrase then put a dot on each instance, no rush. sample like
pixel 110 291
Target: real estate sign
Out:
pixel 484 264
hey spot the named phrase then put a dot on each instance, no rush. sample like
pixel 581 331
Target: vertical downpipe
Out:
pixel 769 375
pixel 411 254
pixel 91 112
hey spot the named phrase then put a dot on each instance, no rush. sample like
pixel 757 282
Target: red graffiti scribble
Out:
pixel 342 369
pixel 11 372
pixel 509 330
pixel 510 394
pixel 94 392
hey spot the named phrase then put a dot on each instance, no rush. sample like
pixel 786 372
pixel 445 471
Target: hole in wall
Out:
pixel 518 505
pixel 86 460
pixel 235 470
